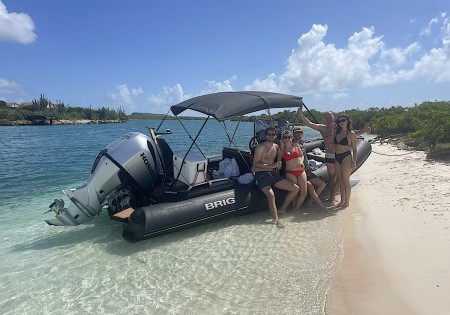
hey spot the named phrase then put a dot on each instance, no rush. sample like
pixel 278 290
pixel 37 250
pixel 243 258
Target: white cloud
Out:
pixel 160 103
pixel 16 27
pixel 125 98
pixel 317 67
pixel 9 87
pixel 339 95
pixel 321 69
pixel 399 56
pixel 215 87
pixel 427 30
pixel 137 91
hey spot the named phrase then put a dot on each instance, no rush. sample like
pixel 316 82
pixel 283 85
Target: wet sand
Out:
pixel 396 238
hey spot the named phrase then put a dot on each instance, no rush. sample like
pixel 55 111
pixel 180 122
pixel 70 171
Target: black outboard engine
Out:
pixel 128 166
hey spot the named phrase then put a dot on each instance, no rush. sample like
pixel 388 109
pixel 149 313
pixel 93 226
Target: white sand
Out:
pixel 396 238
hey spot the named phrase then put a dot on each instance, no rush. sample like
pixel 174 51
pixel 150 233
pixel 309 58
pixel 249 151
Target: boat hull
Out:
pixel 194 209
pixel 167 217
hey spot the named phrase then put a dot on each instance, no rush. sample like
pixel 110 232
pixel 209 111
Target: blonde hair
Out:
pixel 285 133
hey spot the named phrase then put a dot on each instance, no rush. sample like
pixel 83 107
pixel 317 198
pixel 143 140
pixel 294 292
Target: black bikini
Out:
pixel 344 141
pixel 341 156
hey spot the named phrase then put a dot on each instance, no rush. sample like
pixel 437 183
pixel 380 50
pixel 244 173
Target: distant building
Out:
pixel 41 120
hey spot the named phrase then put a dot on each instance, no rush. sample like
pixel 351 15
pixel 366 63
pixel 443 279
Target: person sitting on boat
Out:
pixel 267 174
pixel 295 169
pixel 315 184
pixel 344 140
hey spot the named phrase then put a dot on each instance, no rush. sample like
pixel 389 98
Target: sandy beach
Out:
pixel 396 237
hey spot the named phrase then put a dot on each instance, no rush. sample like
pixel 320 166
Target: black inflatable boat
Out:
pixel 142 182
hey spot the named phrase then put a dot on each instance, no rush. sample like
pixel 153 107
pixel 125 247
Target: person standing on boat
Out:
pixel 295 169
pixel 344 140
pixel 315 184
pixel 267 174
pixel 327 132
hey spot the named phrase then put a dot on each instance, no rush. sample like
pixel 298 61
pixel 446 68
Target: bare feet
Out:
pixel 296 209
pixel 279 224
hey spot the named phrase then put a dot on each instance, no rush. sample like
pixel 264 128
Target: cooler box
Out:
pixel 193 171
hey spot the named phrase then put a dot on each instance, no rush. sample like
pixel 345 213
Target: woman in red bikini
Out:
pixel 295 170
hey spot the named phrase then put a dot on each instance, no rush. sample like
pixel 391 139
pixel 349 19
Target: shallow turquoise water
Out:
pixel 235 266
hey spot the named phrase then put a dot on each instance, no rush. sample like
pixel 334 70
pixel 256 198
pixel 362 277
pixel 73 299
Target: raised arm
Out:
pixel 307 122
pixel 362 131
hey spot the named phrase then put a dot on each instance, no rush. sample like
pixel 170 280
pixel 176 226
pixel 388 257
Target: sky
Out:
pixel 144 56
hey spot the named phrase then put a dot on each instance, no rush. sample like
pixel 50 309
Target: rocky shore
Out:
pixel 58 122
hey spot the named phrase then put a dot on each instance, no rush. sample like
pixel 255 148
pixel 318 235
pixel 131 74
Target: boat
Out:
pixel 140 181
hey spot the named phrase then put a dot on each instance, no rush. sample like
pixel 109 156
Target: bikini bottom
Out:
pixel 296 173
pixel 341 156
pixel 329 158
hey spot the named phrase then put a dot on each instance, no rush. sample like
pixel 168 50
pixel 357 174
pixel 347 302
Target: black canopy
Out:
pixel 225 105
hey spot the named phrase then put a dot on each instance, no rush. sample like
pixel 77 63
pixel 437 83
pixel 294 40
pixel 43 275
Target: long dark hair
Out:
pixel 349 123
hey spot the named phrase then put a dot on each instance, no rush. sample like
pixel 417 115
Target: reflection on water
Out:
pixel 235 266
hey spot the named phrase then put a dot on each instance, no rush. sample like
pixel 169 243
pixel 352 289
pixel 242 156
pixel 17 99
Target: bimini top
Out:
pixel 225 105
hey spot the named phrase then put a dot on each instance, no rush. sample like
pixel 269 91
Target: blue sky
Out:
pixel 144 56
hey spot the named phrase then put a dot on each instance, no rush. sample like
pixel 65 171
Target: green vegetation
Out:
pixel 43 107
pixel 424 126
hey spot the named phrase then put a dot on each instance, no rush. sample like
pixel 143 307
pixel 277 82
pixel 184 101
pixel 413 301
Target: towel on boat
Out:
pixel 229 167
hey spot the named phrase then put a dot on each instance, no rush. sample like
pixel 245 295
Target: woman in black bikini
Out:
pixel 345 139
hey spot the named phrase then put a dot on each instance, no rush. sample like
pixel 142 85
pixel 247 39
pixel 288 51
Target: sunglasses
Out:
pixel 271 134
pixel 298 131
pixel 342 120
pixel 287 137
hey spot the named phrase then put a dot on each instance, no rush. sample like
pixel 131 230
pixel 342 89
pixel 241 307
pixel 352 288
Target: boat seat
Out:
pixel 166 157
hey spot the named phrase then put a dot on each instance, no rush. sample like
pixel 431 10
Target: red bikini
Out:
pixel 294 155
pixel 289 156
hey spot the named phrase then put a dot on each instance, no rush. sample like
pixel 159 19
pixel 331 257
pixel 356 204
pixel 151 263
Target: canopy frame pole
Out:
pixel 192 144
pixel 163 120
pixel 231 139
pixel 315 120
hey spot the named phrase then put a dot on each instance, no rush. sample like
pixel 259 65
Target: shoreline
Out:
pixel 396 235
pixel 61 122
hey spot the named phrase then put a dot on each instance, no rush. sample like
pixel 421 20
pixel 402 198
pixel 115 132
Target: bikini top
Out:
pixel 289 156
pixel 344 141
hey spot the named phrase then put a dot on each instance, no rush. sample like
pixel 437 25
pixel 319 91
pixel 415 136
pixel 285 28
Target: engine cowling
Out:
pixel 131 162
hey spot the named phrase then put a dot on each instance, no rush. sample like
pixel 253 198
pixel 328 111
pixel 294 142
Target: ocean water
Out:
pixel 241 265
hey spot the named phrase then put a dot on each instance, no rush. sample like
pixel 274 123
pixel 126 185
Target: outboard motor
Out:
pixel 128 166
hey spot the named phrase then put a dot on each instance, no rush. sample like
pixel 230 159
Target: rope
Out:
pixel 392 154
